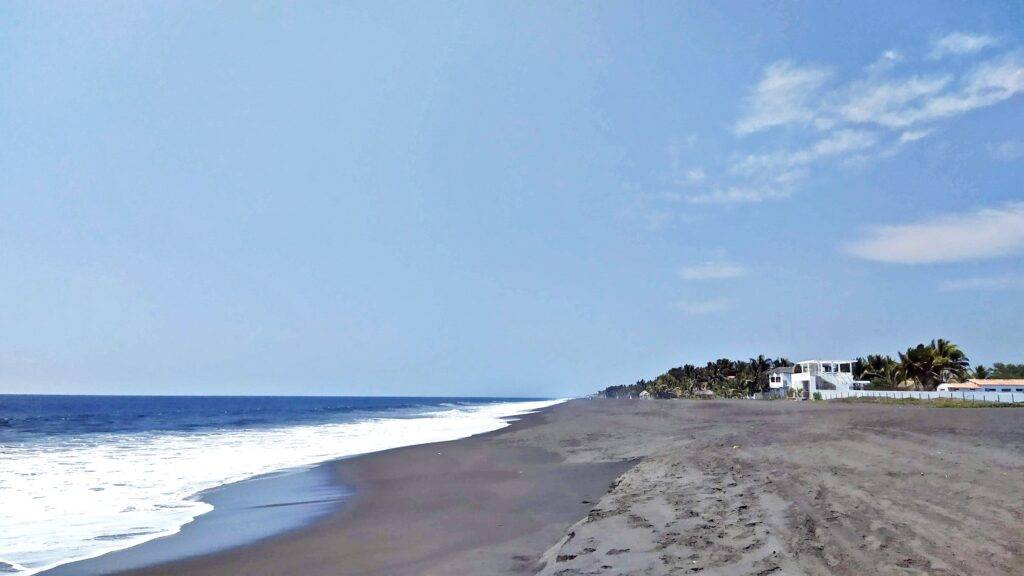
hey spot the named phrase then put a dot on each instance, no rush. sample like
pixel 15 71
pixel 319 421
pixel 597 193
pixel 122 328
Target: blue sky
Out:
pixel 499 199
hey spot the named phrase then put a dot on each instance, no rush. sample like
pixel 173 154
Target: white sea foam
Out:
pixel 73 499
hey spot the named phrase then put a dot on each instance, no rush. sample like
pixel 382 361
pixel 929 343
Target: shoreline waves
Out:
pixel 85 477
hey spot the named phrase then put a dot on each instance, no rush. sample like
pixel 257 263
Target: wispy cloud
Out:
pixel 716 269
pixel 983 283
pixel 704 307
pixel 826 120
pixel 740 194
pixel 1007 151
pixel 852 122
pixel 779 163
pixel 884 102
pixel 887 61
pixel 986 84
pixel 774 175
pixel 784 95
pixel 960 43
pixel 913 136
pixel 898 103
pixel 986 233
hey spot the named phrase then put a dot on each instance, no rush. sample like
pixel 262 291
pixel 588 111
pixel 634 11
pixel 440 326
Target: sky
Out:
pixel 502 199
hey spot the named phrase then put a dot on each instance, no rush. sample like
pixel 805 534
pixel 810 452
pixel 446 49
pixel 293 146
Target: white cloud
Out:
pixel 983 283
pixel 850 123
pixel 704 307
pixel 987 84
pixel 775 175
pixel 960 43
pixel 835 144
pixel 913 136
pixel 717 269
pixel 986 233
pixel 786 92
pixel 885 102
pixel 1007 151
pixel 783 96
pixel 739 195
pixel 887 61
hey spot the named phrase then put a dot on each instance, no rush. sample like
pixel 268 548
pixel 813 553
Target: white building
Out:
pixel 780 378
pixel 998 385
pixel 810 376
pixel 968 386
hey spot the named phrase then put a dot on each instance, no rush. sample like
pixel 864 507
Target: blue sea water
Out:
pixel 81 476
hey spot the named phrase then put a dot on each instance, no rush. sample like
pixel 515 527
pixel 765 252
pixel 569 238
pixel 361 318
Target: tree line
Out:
pixel 723 378
pixel 921 367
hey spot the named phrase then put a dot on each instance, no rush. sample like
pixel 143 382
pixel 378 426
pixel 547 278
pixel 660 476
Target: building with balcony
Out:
pixel 809 376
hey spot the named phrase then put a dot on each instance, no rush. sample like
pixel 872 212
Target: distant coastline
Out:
pixel 923 367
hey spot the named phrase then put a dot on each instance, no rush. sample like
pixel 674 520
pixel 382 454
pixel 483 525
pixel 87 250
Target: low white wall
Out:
pixel 959 395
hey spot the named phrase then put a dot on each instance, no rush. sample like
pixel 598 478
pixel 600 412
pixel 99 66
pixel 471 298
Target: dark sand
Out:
pixel 722 488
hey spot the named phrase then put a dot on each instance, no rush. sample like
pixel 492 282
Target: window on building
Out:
pixel 845 368
pixel 797 369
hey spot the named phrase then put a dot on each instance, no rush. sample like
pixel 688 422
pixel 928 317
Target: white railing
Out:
pixel 955 394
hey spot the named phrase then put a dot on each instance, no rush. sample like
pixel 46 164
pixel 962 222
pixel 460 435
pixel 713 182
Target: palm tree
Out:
pixel 950 360
pixel 859 367
pixel 883 370
pixel 759 368
pixel 981 372
pixel 918 363
pixel 932 364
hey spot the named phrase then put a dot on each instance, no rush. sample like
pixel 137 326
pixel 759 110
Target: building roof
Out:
pixel 969 384
pixel 782 370
pixel 998 381
pixel 825 361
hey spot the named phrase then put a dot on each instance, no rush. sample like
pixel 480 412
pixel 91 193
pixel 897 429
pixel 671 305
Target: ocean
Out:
pixel 81 476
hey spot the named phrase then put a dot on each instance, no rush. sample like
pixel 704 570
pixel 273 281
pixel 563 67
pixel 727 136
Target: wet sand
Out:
pixel 677 487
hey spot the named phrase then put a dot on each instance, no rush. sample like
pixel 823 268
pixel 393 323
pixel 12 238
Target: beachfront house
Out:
pixel 998 384
pixel 811 376
pixel 780 378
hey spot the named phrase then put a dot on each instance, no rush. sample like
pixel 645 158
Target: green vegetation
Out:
pixel 998 370
pixel 723 378
pixel 921 367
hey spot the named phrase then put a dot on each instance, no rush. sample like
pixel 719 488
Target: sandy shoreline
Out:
pixel 674 487
pixel 441 504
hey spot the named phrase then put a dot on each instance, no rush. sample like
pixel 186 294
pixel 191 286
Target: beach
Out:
pixel 97 484
pixel 676 487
